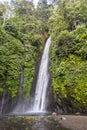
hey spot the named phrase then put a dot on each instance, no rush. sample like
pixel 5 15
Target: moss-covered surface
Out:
pixel 29 123
pixel 69 55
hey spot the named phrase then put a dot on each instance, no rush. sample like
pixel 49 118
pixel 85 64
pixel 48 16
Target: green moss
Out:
pixel 68 54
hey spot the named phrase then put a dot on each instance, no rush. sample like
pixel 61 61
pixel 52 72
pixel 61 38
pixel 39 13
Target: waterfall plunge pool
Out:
pixel 29 123
pixel 71 122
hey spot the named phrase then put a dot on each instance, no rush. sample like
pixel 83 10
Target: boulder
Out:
pixel 54 114
pixel 63 118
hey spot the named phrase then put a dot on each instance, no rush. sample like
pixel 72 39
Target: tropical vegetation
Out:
pixel 23 32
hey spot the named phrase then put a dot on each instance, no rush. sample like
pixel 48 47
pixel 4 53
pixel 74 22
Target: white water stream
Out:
pixel 42 81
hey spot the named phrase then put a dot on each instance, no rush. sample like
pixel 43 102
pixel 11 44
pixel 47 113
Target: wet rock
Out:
pixel 54 114
pixel 63 118
pixel 77 113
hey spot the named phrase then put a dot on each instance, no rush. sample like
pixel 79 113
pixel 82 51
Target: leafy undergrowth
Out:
pixel 69 55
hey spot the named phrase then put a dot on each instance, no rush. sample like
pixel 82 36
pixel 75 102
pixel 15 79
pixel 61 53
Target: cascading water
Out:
pixel 40 98
pixel 42 81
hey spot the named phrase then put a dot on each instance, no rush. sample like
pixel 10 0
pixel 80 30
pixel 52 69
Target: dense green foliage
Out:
pixel 68 28
pixel 22 38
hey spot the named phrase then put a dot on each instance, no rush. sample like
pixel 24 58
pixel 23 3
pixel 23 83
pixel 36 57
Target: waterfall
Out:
pixel 40 97
pixel 42 81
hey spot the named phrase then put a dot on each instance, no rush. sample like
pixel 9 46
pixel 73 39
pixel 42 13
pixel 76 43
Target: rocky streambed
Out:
pixel 60 122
